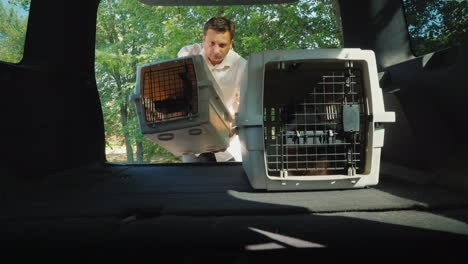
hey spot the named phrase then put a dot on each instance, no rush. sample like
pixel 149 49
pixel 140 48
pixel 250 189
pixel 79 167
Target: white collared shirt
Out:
pixel 229 74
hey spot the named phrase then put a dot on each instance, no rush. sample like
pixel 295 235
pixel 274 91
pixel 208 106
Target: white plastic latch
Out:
pixel 384 117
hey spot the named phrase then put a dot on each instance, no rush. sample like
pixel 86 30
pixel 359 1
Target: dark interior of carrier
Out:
pixel 314 118
pixel 169 90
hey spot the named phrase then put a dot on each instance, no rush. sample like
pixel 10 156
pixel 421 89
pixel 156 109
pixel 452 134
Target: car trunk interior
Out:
pixel 68 195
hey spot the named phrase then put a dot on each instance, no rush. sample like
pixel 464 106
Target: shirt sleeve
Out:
pixel 190 50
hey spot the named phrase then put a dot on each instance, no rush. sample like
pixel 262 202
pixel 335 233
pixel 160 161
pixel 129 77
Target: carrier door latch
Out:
pixel 350 162
pixel 351 117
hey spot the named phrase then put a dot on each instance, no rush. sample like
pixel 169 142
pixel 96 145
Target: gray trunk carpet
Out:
pixel 201 190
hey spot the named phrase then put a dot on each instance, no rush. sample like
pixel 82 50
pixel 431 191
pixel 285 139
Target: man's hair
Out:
pixel 220 24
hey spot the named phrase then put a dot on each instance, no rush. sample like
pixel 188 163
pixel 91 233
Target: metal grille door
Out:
pixel 315 126
pixel 169 92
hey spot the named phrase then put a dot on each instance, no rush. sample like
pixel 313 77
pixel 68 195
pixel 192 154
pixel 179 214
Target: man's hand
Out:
pixel 232 131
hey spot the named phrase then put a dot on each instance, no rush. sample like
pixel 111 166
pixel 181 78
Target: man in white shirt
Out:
pixel 228 69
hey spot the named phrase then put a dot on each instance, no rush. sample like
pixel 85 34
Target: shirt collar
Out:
pixel 226 64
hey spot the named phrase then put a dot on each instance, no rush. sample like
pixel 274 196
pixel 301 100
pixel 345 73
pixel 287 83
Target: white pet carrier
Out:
pixel 311 119
pixel 180 106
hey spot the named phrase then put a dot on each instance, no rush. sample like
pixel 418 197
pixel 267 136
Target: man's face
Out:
pixel 216 45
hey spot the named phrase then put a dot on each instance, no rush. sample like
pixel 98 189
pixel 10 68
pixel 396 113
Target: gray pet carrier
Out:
pixel 312 119
pixel 180 106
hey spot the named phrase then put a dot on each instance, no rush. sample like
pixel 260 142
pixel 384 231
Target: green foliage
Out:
pixel 130 34
pixel 434 25
pixel 125 39
pixel 12 33
pixel 23 4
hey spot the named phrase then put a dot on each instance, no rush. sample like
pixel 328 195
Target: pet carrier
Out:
pixel 180 106
pixel 312 119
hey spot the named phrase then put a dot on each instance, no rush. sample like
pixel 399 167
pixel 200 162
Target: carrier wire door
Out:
pixel 314 126
pixel 169 92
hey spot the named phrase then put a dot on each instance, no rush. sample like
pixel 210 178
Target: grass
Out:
pixel 117 154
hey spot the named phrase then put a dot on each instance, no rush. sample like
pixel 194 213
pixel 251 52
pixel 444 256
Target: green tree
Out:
pixel 12 34
pixel 130 34
pixel 123 41
pixel 435 24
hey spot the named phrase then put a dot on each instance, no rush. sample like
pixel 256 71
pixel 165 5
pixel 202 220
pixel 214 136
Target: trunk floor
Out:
pixel 202 190
pixel 211 209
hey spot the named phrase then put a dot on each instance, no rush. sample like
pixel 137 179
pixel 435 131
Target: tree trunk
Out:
pixel 140 149
pixel 123 121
